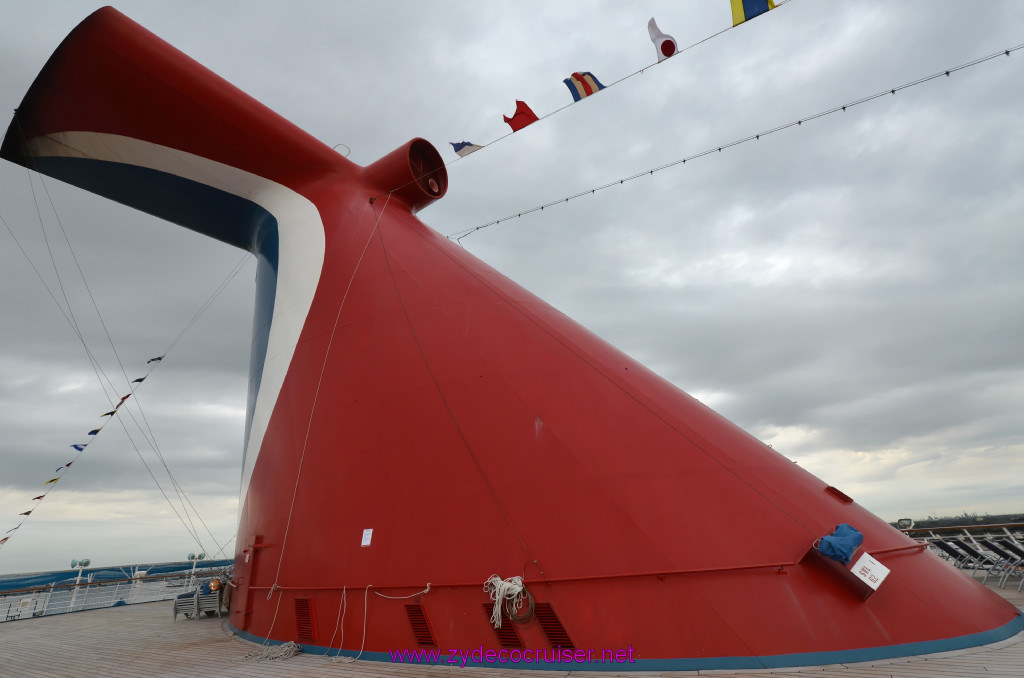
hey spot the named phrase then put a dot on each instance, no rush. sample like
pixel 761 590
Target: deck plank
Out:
pixel 142 641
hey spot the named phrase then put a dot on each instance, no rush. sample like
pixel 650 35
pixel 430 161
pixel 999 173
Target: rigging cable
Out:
pixel 101 375
pixel 97 368
pixel 151 438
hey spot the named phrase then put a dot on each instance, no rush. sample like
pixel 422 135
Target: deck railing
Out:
pixel 39 601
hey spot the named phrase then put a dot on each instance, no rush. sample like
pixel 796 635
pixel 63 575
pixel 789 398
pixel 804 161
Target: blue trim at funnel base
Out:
pixel 1008 630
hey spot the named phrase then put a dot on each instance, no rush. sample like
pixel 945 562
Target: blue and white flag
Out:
pixel 464 148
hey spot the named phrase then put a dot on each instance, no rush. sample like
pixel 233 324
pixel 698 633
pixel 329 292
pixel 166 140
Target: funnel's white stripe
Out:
pixel 300 247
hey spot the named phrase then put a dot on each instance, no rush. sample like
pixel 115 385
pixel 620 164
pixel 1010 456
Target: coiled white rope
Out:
pixel 273 652
pixel 507 594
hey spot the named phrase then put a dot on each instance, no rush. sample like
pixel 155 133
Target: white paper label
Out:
pixel 368 535
pixel 870 571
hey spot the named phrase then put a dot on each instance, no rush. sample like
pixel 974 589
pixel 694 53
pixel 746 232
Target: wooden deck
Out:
pixel 141 641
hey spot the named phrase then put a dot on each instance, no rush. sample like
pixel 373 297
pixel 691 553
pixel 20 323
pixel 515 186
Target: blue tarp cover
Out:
pixel 841 544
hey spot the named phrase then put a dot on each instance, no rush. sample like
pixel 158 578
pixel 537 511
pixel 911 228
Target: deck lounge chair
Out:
pixel 1010 544
pixel 1007 562
pixel 957 558
pixel 978 560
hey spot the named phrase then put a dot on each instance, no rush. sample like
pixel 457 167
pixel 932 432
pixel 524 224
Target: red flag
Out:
pixel 122 400
pixel 39 497
pixel 522 117
pixel 4 539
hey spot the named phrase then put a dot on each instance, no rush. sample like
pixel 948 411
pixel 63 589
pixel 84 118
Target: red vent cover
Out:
pixel 420 627
pixel 507 634
pixel 552 627
pixel 304 630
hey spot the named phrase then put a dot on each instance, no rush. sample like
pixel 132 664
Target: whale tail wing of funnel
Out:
pixel 121 113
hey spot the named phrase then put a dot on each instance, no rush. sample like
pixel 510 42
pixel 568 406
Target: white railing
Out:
pixel 60 599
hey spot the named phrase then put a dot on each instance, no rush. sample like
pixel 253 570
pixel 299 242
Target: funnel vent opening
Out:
pixel 552 627
pixel 420 628
pixel 304 630
pixel 507 634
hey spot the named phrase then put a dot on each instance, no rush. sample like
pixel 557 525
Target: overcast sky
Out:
pixel 849 290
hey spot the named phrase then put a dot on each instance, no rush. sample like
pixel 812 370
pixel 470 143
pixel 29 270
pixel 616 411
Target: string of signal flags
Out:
pixel 151 364
pixel 584 83
pixel 457 236
pixel 580 85
pixel 79 449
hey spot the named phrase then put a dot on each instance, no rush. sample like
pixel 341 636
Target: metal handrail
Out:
pixel 50 587
pixel 52 599
pixel 960 528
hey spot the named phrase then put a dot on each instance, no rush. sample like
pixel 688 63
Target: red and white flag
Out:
pixel 665 45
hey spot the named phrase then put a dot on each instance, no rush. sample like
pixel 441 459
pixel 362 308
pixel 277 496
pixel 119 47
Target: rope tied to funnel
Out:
pixel 508 594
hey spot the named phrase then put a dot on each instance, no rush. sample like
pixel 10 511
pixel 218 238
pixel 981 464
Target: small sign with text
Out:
pixel 870 571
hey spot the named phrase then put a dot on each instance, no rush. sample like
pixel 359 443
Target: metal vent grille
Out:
pixel 507 634
pixel 552 627
pixel 420 627
pixel 304 620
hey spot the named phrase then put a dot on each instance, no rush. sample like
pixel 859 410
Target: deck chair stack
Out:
pixel 187 606
pixel 197 603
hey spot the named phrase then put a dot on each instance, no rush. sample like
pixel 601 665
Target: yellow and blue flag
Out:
pixel 582 85
pixel 745 10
